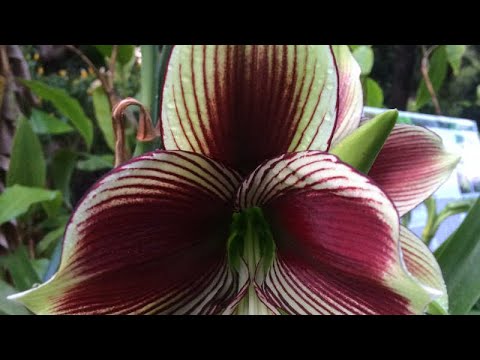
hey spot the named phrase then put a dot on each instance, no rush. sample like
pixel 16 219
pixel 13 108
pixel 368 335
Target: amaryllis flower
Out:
pixel 246 211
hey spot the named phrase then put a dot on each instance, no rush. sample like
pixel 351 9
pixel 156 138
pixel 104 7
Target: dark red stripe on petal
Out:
pixel 253 110
pixel 190 112
pixel 337 239
pixel 174 131
pixel 149 238
pixel 412 165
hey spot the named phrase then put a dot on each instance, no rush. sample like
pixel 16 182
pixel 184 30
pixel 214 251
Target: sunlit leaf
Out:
pixel 365 57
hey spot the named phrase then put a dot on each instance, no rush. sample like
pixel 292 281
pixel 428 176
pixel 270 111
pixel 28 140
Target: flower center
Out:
pixel 251 241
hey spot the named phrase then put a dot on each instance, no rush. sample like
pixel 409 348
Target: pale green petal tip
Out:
pixel 424 299
pixel 453 160
pixel 439 300
pixel 23 298
pixel 436 299
pixel 35 300
pixel 438 307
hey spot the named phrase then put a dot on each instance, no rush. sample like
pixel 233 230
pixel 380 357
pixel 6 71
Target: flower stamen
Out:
pixel 252 242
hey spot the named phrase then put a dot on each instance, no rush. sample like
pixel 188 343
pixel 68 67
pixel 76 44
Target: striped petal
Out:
pixel 149 238
pixel 412 165
pixel 337 240
pixel 350 102
pixel 244 104
pixel 423 266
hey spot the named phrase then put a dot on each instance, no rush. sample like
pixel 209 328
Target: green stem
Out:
pixel 428 232
pixel 436 219
pixel 255 247
pixel 150 91
pixel 451 209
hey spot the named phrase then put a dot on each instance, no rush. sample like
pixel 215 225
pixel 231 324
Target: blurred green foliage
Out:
pixel 61 146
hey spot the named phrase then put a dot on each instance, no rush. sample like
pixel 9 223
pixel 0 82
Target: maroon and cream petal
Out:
pixel 350 97
pixel 244 104
pixel 149 238
pixel 421 263
pixel 337 240
pixel 412 165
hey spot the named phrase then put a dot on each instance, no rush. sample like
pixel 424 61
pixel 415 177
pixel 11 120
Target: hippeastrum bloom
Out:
pixel 252 208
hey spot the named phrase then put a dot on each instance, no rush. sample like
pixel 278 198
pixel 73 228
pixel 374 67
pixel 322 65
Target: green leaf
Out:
pixel 361 148
pixel 16 200
pixel 442 247
pixel 40 266
pixel 124 55
pixel 428 234
pixel 55 222
pixel 459 260
pixel 455 55
pixel 374 93
pixel 43 123
pixel 66 105
pixel 103 113
pixel 437 72
pixel 53 206
pixel 21 269
pixel 365 57
pixel 8 307
pixel 105 50
pixel 49 241
pixel 27 164
pixel 96 162
pixel 154 67
pixel 54 261
pixel 63 164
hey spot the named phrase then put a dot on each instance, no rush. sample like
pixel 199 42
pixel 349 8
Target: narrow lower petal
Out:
pixel 337 240
pixel 350 104
pixel 412 165
pixel 423 266
pixel 243 104
pixel 149 238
